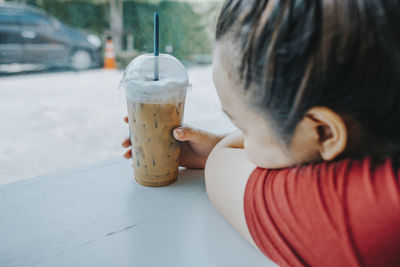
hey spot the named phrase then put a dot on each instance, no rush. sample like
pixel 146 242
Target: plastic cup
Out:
pixel 155 108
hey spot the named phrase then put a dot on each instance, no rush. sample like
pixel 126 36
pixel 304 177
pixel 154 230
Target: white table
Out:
pixel 97 215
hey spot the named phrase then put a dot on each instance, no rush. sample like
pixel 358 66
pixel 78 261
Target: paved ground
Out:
pixel 62 120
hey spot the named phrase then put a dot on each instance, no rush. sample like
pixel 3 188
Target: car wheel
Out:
pixel 81 60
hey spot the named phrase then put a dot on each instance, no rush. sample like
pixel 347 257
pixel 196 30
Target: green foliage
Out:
pixel 79 14
pixel 180 27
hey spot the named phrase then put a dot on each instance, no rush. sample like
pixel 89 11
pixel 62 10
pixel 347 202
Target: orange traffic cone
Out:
pixel 109 55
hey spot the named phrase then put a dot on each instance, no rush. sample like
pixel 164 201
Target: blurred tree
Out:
pixel 185 28
pixel 116 24
pixel 182 32
pixel 89 15
pixel 64 9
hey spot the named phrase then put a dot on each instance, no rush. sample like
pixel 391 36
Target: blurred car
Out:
pixel 30 36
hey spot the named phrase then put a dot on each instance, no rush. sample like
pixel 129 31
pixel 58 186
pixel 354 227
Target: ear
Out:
pixel 330 130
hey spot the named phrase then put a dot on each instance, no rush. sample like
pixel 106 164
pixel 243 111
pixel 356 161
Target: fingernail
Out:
pixel 178 132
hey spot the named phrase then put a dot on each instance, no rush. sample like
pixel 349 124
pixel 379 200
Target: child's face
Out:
pixel 262 146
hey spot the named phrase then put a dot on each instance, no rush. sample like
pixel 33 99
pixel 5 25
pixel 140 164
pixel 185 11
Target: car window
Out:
pixel 7 17
pixel 35 20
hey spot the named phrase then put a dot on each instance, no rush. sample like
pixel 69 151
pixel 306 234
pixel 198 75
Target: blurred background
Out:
pixel 60 65
pixel 72 33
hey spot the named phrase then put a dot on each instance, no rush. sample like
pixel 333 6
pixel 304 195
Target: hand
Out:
pixel 127 143
pixel 196 145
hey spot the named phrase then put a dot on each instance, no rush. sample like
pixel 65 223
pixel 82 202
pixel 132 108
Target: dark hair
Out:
pixel 344 55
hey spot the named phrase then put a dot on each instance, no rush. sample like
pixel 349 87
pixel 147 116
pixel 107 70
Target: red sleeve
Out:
pixel 331 214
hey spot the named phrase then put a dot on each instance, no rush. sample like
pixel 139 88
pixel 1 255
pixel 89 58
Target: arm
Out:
pixel 227 171
pixel 196 145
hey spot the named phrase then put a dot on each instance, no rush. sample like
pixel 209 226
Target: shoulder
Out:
pixel 349 208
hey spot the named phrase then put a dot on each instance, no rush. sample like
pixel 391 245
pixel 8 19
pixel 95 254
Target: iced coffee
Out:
pixel 155 152
pixel 155 108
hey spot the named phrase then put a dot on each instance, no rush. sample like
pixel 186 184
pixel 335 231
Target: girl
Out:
pixel 311 178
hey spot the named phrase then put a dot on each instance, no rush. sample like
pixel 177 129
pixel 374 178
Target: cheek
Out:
pixel 266 154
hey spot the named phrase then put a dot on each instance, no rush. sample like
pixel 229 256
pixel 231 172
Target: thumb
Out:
pixel 186 134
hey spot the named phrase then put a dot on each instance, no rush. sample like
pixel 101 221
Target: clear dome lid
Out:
pixel 138 80
pixel 142 68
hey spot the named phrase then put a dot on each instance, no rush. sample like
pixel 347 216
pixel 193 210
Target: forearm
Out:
pixel 232 140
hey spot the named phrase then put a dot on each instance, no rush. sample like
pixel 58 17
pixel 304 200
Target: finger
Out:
pixel 126 119
pixel 187 134
pixel 128 154
pixel 126 143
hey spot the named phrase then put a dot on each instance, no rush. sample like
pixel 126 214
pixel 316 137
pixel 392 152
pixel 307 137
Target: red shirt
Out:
pixel 345 213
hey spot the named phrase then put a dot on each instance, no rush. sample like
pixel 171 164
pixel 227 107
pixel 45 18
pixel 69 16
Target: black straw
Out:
pixel 156 44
